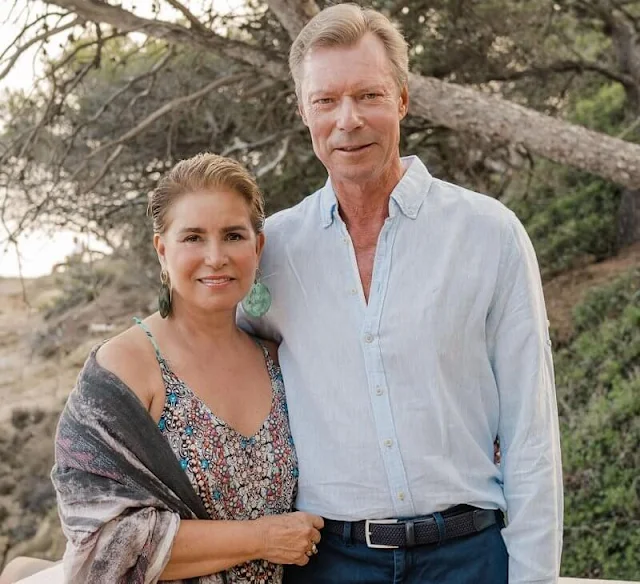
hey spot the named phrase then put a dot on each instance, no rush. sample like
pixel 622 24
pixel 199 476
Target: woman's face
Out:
pixel 210 250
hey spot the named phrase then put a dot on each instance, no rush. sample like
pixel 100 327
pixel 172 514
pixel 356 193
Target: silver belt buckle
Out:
pixel 367 533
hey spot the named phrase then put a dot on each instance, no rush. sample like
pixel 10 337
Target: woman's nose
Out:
pixel 216 255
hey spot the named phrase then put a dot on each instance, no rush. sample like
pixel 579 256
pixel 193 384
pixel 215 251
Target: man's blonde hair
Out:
pixel 344 25
pixel 205 172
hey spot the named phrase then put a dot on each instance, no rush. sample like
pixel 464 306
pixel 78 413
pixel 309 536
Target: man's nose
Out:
pixel 349 117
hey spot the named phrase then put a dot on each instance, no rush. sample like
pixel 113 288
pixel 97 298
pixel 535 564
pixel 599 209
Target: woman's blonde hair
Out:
pixel 344 25
pixel 205 172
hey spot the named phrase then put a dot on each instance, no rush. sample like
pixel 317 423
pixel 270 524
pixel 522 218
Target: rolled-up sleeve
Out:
pixel 520 352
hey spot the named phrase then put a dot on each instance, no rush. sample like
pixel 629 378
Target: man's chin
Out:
pixel 354 173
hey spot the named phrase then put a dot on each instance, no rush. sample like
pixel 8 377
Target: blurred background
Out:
pixel 536 103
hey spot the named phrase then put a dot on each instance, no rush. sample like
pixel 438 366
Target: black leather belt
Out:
pixel 458 521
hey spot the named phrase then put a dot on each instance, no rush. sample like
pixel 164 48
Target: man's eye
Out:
pixel 323 101
pixel 370 95
pixel 192 238
pixel 234 236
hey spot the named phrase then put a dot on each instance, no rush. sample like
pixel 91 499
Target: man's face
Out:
pixel 351 103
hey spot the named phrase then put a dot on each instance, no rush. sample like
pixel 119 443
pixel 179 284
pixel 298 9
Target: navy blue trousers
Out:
pixel 477 559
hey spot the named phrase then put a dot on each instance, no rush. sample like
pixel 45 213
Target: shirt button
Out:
pixel 379 390
pixel 388 443
pixel 353 291
pixel 401 496
pixel 368 338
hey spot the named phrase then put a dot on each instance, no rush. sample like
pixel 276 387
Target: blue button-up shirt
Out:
pixel 395 403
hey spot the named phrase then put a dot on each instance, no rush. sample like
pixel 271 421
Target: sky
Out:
pixel 40 251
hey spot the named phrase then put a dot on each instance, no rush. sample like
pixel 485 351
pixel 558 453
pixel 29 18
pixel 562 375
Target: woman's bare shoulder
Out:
pixel 130 357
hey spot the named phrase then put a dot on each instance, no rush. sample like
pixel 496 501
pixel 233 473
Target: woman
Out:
pixel 174 459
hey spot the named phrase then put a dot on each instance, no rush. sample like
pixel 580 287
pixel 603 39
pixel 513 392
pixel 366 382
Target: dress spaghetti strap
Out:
pixel 147 332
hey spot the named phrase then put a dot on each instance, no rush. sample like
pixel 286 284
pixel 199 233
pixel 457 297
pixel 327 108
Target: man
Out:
pixel 413 333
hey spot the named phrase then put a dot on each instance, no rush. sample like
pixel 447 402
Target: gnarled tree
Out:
pixel 112 109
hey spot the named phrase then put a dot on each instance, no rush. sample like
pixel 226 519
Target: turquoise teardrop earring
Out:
pixel 258 301
pixel 164 297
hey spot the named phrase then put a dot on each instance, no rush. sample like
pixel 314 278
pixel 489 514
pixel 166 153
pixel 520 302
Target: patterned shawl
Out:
pixel 120 488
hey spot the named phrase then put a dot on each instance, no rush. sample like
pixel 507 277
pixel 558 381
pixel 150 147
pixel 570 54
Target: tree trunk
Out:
pixel 466 110
pixel 449 105
pixel 629 218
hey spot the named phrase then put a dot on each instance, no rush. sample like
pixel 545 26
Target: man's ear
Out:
pixel 302 114
pixel 404 102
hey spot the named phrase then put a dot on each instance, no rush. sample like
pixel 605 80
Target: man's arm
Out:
pixel 520 353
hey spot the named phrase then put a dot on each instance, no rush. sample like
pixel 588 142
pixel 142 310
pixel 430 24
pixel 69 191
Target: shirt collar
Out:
pixel 407 196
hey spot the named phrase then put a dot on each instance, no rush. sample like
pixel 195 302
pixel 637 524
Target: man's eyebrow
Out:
pixel 364 88
pixel 368 87
pixel 318 92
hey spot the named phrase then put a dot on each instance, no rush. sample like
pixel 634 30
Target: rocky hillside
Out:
pixel 44 340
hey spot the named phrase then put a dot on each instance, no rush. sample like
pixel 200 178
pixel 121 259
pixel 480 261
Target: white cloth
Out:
pixel 395 403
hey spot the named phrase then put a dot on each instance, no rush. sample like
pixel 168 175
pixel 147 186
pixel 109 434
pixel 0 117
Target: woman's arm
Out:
pixel 201 547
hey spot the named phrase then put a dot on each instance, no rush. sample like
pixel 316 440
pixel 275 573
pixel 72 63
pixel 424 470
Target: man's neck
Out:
pixel 364 205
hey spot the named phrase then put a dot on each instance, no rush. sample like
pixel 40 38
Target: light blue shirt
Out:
pixel 395 404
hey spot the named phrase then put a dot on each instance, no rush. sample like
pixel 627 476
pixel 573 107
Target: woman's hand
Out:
pixel 287 539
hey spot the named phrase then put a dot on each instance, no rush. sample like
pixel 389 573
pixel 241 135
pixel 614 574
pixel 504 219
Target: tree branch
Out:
pixel 270 166
pixel 99 11
pixel 293 14
pixel 448 105
pixel 563 67
pixel 193 20
pixel 94 118
pixel 26 27
pixel 35 40
pixel 239 145
pixel 156 115
pixel 463 109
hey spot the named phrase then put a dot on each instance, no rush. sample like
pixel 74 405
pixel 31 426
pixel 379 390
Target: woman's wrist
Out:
pixel 257 537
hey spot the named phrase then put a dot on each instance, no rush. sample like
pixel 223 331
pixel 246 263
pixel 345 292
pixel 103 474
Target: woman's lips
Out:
pixel 217 282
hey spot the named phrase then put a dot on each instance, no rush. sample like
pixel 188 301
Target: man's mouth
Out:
pixel 353 148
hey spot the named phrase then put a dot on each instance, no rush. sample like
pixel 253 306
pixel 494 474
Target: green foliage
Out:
pixel 80 284
pixel 598 381
pixel 571 218
pixel 608 302
pixel 602 111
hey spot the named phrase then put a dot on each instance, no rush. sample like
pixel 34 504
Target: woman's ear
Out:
pixel 160 248
pixel 260 241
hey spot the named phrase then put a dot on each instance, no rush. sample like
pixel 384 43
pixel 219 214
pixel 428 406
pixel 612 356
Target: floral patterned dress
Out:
pixel 236 476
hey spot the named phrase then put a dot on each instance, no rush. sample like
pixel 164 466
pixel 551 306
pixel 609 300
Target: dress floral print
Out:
pixel 237 477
